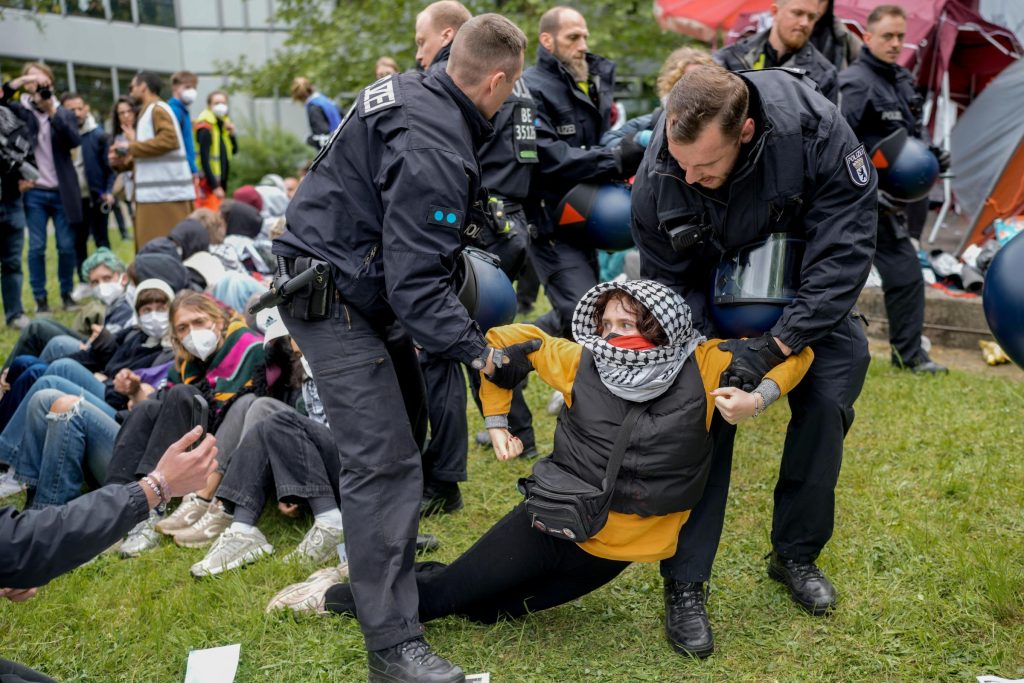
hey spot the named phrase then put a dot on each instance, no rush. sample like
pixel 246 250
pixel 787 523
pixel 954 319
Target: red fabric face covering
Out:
pixel 633 342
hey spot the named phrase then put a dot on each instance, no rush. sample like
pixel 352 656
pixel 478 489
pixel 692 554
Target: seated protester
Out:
pixel 679 62
pixel 206 270
pixel 274 195
pixel 235 289
pixel 294 456
pixel 164 267
pixel 49 340
pixel 636 345
pixel 242 219
pixel 39 546
pixel 185 239
pixel 215 357
pixel 136 348
pixel 217 229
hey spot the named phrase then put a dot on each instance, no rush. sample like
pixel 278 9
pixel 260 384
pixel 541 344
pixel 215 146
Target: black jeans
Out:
pixel 903 287
pixel 510 571
pixel 802 523
pixel 567 272
pixel 94 223
pixel 381 480
pixel 12 672
pixel 33 338
pixel 447 452
pixel 287 453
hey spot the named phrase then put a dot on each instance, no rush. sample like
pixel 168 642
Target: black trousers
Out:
pixel 446 454
pixel 527 285
pixel 12 672
pixel 510 571
pixel 287 454
pixel 902 286
pixel 802 523
pixel 150 428
pixel 381 480
pixel 94 222
pixel 567 272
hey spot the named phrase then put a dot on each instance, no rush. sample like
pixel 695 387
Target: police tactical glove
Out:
pixel 628 156
pixel 511 364
pixel 751 361
pixel 942 156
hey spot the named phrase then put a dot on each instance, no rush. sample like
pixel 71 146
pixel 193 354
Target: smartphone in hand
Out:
pixel 200 417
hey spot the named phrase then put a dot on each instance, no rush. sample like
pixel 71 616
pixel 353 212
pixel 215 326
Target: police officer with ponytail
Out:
pixel 734 159
pixel 387 205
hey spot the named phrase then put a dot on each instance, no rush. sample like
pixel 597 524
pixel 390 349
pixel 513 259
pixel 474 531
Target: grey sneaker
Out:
pixel 192 508
pixel 206 530
pixel 142 537
pixel 18 322
pixel 319 545
pixel 232 550
pixel 308 597
pixel 9 486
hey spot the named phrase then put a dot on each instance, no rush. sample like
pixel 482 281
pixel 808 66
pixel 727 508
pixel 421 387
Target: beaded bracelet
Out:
pixel 154 487
pixel 160 479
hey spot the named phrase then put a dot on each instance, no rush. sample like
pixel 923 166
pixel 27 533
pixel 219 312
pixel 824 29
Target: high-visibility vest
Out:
pixel 208 117
pixel 165 178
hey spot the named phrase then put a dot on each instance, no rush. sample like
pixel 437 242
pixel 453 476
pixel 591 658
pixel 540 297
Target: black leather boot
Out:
pixel 807 585
pixel 412 661
pixel 440 497
pixel 686 619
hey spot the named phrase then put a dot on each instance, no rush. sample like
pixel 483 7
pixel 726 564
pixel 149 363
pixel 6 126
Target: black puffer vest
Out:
pixel 666 463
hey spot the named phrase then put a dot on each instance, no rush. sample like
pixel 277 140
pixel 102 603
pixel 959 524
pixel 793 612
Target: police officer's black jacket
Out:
pixel 508 158
pixel 666 462
pixel 879 98
pixel 387 203
pixel 804 173
pixel 569 126
pixel 745 54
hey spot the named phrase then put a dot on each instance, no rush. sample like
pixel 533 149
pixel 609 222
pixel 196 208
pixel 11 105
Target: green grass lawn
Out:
pixel 928 558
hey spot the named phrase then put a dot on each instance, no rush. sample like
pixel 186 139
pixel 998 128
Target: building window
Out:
pixel 42 6
pixel 85 8
pixel 94 84
pixel 121 10
pixel 157 12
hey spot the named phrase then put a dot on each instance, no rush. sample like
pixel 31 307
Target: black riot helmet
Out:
pixel 484 289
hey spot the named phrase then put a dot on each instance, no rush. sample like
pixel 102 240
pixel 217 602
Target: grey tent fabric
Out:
pixel 986 137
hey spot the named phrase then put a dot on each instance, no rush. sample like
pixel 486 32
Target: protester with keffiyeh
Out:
pixel 634 344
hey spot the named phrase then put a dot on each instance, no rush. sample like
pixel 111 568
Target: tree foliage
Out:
pixel 335 44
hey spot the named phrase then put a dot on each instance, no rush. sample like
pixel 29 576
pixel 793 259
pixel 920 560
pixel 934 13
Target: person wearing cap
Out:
pixel 65 426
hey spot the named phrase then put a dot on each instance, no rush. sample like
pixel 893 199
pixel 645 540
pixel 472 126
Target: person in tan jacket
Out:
pixel 155 149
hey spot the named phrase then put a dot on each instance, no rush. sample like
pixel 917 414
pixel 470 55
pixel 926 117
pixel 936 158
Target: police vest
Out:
pixel 329 108
pixel 666 463
pixel 165 178
pixel 216 142
pixel 508 158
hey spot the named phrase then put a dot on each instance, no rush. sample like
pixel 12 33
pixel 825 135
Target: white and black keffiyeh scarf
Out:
pixel 639 375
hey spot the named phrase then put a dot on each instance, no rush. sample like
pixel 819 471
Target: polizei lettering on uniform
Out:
pixel 380 95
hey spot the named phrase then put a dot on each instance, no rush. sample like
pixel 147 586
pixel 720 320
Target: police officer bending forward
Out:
pixel 737 157
pixel 386 205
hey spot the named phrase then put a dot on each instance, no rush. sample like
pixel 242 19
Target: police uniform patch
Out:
pixel 858 167
pixel 449 218
pixel 569 129
pixel 380 95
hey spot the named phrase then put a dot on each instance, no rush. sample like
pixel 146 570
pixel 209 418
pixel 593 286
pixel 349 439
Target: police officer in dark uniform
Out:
pixel 386 205
pixel 879 98
pixel 573 91
pixel 505 168
pixel 737 157
pixel 787 43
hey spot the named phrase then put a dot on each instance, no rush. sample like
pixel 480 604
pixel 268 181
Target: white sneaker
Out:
pixel 142 537
pixel 319 545
pixel 206 530
pixel 309 596
pixel 192 508
pixel 555 403
pixel 9 486
pixel 81 292
pixel 232 550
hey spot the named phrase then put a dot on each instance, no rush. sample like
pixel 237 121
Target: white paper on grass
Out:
pixel 214 665
pixel 479 678
pixel 997 679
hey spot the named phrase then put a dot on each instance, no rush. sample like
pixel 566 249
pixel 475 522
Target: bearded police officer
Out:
pixel 506 161
pixel 879 98
pixel 573 92
pixel 787 43
pixel 734 158
pixel 386 205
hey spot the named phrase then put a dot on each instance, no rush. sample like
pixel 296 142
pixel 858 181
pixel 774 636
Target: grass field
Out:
pixel 928 557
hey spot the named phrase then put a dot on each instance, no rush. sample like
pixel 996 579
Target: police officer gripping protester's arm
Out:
pixel 573 91
pixel 879 99
pixel 735 159
pixel 787 43
pixel 386 205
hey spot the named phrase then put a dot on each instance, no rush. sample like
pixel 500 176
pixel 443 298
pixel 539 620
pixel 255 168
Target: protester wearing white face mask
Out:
pixel 183 95
pixel 216 142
